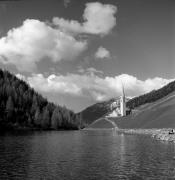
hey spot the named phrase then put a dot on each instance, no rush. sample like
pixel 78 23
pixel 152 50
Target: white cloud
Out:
pixel 102 53
pixel 20 76
pixel 98 19
pixel 93 86
pixel 34 40
pixel 54 84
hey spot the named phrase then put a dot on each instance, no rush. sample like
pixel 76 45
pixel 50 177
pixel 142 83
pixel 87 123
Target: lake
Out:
pixel 84 155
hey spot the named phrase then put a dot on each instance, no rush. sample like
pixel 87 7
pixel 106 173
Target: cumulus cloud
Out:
pixel 34 40
pixel 102 53
pixel 98 19
pixel 93 86
pixel 20 76
pixel 54 84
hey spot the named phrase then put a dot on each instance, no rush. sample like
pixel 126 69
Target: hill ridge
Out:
pixel 94 112
pixel 22 107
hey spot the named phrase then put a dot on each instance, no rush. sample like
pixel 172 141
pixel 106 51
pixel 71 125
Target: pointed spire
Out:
pixel 123 102
pixel 123 91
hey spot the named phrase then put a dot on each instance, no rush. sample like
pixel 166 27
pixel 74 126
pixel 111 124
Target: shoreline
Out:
pixel 158 134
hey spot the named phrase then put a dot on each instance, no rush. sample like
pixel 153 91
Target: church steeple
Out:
pixel 123 102
pixel 123 91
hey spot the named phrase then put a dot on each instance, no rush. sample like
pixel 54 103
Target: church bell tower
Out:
pixel 123 103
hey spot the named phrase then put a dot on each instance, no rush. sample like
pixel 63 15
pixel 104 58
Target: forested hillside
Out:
pixel 152 96
pixel 95 111
pixel 22 107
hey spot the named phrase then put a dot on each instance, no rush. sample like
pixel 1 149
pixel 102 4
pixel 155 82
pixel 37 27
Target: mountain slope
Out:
pixel 160 114
pixel 22 107
pixel 95 111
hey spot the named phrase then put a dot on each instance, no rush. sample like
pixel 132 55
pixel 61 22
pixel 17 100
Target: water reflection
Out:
pixel 13 152
pixel 84 155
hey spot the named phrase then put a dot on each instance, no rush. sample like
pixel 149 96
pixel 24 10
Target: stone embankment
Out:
pixel 159 134
pixel 164 135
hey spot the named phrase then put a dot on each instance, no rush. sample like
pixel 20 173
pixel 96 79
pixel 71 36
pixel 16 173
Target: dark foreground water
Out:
pixel 85 155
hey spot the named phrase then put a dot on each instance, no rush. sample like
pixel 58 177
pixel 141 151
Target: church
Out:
pixel 118 108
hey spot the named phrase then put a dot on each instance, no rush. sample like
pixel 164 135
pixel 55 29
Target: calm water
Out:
pixel 82 155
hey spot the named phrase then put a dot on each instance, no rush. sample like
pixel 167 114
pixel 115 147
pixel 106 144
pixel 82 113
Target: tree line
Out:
pixel 21 106
pixel 151 96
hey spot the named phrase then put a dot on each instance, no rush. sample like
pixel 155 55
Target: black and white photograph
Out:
pixel 87 89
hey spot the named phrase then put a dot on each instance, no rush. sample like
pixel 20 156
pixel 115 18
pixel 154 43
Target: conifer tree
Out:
pixel 9 108
pixel 45 123
pixel 56 119
pixel 21 105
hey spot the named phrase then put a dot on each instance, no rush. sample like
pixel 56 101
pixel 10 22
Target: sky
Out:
pixel 76 53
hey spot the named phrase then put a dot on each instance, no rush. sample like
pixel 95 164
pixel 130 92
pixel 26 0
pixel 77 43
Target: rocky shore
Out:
pixel 159 134
pixel 164 135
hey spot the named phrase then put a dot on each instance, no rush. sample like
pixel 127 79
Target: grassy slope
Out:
pixel 160 114
pixel 101 124
pixel 140 103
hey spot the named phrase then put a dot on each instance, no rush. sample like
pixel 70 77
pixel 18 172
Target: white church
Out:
pixel 118 107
